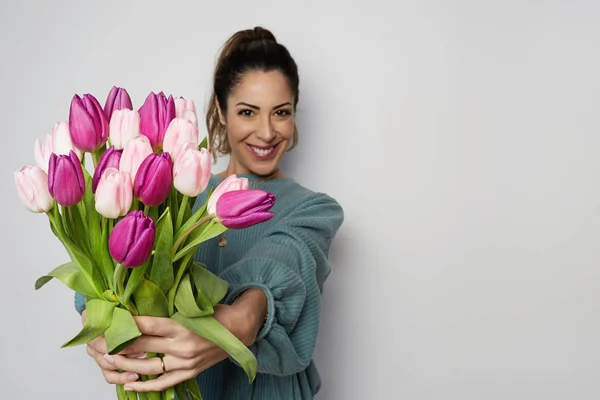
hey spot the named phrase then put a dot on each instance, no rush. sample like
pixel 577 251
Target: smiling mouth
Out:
pixel 263 151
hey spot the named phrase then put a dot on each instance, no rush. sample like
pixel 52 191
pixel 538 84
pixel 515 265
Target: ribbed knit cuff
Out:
pixel 266 328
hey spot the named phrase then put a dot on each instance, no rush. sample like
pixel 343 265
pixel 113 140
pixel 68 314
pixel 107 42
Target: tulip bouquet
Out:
pixel 130 227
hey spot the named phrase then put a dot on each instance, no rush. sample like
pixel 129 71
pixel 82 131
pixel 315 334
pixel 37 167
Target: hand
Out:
pixel 97 349
pixel 186 353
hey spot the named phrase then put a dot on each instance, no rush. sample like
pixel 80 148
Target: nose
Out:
pixel 266 132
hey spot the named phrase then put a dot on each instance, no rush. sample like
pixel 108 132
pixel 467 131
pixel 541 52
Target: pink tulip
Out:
pixel 32 188
pixel 58 142
pixel 156 114
pixel 124 127
pixel 152 184
pixel 111 158
pixel 134 153
pixel 131 240
pixel 179 132
pixel 186 109
pixel 191 170
pixel 89 126
pixel 232 182
pixel 240 209
pixel 118 99
pixel 114 193
pixel 65 179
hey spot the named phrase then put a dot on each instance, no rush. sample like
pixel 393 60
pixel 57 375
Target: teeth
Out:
pixel 260 152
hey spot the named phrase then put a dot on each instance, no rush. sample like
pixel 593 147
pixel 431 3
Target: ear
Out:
pixel 221 118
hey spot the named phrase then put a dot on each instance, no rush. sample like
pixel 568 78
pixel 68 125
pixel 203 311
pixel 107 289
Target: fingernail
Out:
pixel 139 356
pixel 133 377
pixel 128 389
pixel 109 359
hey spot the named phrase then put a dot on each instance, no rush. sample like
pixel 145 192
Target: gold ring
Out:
pixel 162 364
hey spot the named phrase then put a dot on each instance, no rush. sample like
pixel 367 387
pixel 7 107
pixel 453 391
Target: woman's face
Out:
pixel 260 122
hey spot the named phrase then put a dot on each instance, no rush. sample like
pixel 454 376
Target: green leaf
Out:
pixel 193 389
pixel 193 219
pixel 186 303
pixel 71 275
pixel 135 278
pixel 207 283
pixel 204 143
pixel 98 318
pixel 161 272
pixel 170 394
pixel 213 229
pixel 122 331
pixel 210 329
pixel 180 391
pixel 150 300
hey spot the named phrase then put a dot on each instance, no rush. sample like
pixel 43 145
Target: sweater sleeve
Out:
pixel 290 264
pixel 79 302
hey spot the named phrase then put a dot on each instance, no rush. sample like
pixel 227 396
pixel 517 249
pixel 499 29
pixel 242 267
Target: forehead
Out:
pixel 258 87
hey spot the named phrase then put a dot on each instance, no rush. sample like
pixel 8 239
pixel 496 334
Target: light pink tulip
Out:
pixel 179 132
pixel 191 172
pixel 114 194
pixel 32 188
pixel 124 127
pixel 58 142
pixel 232 182
pixel 134 153
pixel 186 109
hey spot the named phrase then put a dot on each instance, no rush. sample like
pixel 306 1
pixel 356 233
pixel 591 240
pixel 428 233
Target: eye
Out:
pixel 283 113
pixel 246 112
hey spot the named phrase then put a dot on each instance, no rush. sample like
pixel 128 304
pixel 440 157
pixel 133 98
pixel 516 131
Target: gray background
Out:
pixel 460 137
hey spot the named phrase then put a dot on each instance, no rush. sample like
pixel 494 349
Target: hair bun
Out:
pixel 261 34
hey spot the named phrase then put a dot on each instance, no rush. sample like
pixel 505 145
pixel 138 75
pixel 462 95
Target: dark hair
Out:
pixel 247 50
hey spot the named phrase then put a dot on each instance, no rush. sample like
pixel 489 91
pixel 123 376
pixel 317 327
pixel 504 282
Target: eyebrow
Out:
pixel 241 103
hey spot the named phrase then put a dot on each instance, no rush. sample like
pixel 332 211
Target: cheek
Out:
pixel 238 130
pixel 285 128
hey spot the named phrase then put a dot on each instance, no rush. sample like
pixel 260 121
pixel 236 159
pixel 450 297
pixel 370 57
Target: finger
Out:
pixel 99 358
pixel 152 366
pixel 119 378
pixel 152 344
pixel 99 344
pixel 83 317
pixel 163 382
pixel 156 326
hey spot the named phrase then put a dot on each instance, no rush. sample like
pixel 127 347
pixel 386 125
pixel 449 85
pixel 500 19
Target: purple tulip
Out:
pixel 153 179
pixel 65 179
pixel 117 99
pixel 156 114
pixel 131 240
pixel 240 209
pixel 111 158
pixel 88 124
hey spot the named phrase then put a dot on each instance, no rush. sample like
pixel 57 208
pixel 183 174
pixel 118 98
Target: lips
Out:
pixel 263 151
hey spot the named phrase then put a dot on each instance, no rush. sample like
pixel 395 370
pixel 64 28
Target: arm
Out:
pixel 290 266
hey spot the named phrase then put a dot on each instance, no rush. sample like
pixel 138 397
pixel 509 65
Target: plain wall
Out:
pixel 461 138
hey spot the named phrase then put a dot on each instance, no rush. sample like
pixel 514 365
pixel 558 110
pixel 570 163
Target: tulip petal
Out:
pixel 246 221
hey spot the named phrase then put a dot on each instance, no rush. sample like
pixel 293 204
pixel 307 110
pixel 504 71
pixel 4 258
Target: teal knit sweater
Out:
pixel 286 257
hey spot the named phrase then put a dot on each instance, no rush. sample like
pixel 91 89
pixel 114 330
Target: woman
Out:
pixel 275 270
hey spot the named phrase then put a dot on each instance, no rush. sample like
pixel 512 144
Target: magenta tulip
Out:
pixel 156 114
pixel 240 209
pixel 232 182
pixel 88 124
pixel 111 158
pixel 118 99
pixel 32 188
pixel 153 180
pixel 131 240
pixel 65 179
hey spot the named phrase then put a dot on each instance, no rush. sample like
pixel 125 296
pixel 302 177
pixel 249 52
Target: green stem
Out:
pixel 95 158
pixel 189 231
pixel 135 204
pixel 180 214
pixel 118 282
pixel 173 291
pixel 146 210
